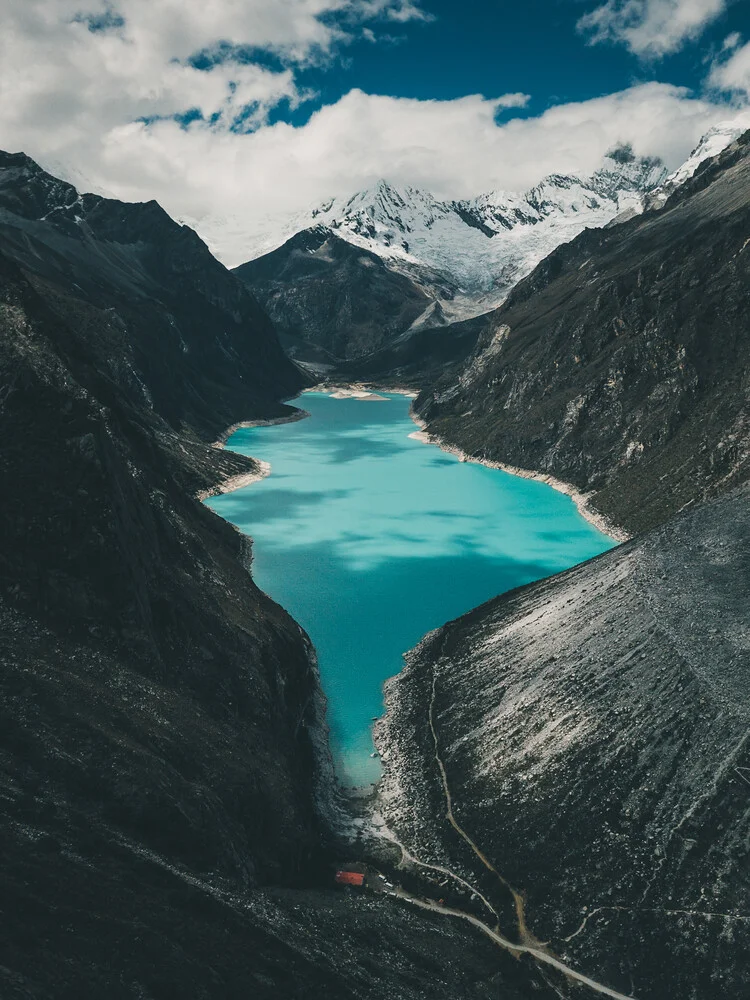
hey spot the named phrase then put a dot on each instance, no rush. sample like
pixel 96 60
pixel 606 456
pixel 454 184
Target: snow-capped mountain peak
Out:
pixel 384 213
pixel 711 144
pixel 388 214
pixel 468 253
pixel 480 247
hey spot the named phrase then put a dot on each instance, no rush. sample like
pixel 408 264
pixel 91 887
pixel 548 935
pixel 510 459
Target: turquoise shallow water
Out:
pixel 370 539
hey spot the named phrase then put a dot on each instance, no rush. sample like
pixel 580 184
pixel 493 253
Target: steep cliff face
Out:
pixel 331 300
pixel 133 634
pixel 162 743
pixel 593 730
pixel 621 363
pixel 153 312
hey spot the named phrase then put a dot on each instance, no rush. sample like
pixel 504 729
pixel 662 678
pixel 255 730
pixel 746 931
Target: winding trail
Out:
pixel 515 949
pixel 406 855
pixel 528 945
pixel 518 901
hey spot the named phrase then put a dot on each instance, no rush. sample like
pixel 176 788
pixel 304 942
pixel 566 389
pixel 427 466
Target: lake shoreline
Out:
pixel 229 484
pixel 330 798
pixel 222 439
pixel 581 500
pixel 361 783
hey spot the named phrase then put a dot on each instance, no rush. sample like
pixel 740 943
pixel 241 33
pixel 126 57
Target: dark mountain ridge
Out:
pixel 163 755
pixel 131 623
pixel 620 365
pixel 326 295
pixel 161 289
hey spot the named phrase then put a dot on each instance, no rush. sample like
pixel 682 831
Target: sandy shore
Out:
pixel 262 470
pixel 359 394
pixel 581 500
pixel 221 441
pixel 232 483
pixel 359 390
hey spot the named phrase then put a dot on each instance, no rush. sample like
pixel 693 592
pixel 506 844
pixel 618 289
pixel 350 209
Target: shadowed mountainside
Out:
pixel 620 365
pixel 163 757
pixel 593 729
pixel 331 300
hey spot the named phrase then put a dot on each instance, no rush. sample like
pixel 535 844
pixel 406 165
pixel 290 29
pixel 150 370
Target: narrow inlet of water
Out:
pixel 370 539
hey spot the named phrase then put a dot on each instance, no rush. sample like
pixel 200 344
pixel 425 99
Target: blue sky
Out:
pixel 491 47
pixel 237 112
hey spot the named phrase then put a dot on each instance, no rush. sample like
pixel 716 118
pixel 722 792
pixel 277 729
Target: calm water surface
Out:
pixel 370 539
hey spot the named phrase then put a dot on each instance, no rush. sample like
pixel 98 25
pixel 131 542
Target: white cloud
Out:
pixel 650 28
pixel 454 148
pixel 731 41
pixel 74 98
pixel 733 73
pixel 73 69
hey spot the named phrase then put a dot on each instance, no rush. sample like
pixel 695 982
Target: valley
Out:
pixel 402 537
pixel 570 756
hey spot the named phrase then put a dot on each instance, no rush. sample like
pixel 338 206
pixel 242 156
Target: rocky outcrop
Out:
pixel 620 365
pixel 331 300
pixel 593 730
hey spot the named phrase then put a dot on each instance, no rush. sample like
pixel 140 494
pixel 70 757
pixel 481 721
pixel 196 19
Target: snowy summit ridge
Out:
pixel 711 144
pixel 467 254
pixel 482 246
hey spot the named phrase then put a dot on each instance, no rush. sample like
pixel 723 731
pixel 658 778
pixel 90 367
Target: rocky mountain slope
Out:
pixel 483 245
pixel 620 365
pixel 162 740
pixel 331 300
pixel 386 251
pixel 577 750
pixel 593 734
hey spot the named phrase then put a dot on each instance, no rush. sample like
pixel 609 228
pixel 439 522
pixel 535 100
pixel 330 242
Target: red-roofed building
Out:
pixel 349 878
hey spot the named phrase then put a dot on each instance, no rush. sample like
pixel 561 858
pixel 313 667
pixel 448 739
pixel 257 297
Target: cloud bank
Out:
pixel 144 99
pixel 731 71
pixel 650 28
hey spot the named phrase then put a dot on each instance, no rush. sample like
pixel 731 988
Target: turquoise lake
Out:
pixel 370 539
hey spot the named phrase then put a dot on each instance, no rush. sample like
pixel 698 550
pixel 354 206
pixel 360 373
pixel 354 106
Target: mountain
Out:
pixel 577 750
pixel 329 299
pixel 162 289
pixel 420 355
pixel 711 144
pixel 591 731
pixel 168 825
pixel 620 365
pixel 482 246
pixel 131 631
pixel 167 797
pixel 387 251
